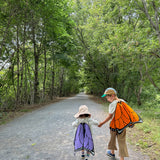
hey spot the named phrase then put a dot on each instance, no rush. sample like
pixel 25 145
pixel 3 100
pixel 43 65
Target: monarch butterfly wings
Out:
pixel 124 117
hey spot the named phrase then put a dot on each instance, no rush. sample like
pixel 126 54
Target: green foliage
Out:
pixel 120 47
pixel 54 47
pixel 151 129
pixel 38 46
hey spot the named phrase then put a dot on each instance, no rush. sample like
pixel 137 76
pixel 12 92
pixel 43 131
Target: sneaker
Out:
pixel 110 154
pixel 82 156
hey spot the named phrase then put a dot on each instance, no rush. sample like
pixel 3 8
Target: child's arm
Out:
pixel 95 122
pixel 106 120
pixel 75 123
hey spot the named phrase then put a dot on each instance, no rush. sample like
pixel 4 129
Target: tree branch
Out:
pixel 150 78
pixel 148 16
pixel 155 26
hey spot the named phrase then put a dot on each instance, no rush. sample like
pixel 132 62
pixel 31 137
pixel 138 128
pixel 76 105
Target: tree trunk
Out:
pixel 44 80
pixel 18 72
pixel 139 96
pixel 30 97
pixel 61 82
pixel 53 78
pixel 141 79
pixel 52 86
pixel 150 78
pixel 26 84
pixel 36 82
pixel 22 68
pixel 36 62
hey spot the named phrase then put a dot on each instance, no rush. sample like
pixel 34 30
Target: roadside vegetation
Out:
pixel 55 48
pixel 146 136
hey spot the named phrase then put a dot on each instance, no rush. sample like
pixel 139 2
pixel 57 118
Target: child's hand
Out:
pixel 100 124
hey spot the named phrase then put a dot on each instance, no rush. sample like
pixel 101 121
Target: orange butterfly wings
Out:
pixel 124 117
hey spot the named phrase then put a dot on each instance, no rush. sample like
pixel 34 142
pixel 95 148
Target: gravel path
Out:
pixel 47 134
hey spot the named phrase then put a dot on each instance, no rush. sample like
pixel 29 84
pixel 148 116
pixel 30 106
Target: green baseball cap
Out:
pixel 109 91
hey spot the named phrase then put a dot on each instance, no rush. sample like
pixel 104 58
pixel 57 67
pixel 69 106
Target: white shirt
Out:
pixel 86 120
pixel 113 105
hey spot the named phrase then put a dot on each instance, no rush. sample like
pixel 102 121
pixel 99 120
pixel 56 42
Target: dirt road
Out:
pixel 47 134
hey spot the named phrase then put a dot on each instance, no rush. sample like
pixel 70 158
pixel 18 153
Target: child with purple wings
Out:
pixel 83 140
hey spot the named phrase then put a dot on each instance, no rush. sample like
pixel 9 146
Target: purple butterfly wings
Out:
pixel 83 139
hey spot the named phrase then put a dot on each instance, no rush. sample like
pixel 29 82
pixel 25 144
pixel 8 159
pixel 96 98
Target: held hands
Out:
pixel 106 120
pixel 100 124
